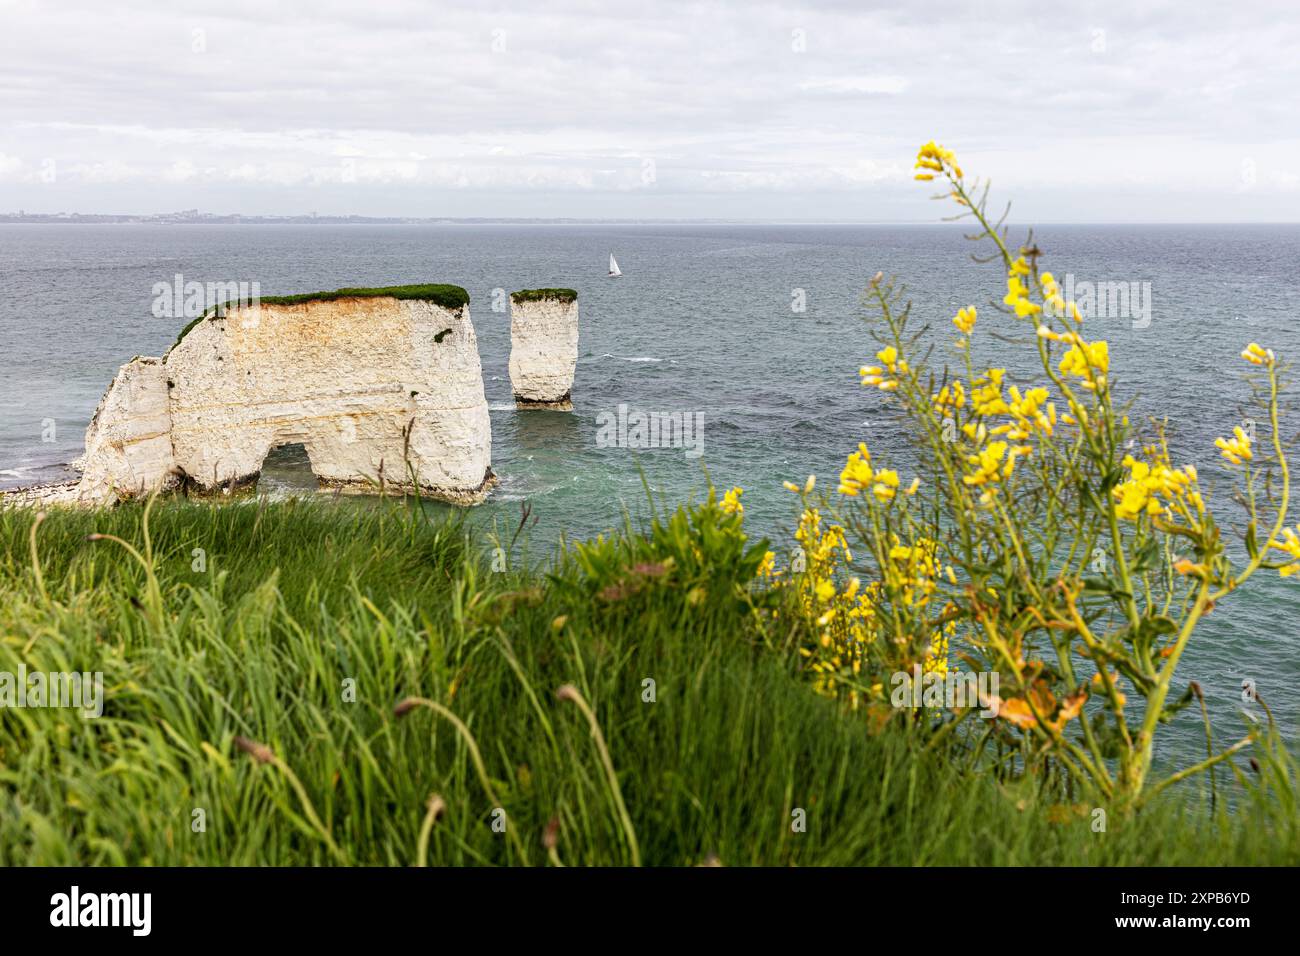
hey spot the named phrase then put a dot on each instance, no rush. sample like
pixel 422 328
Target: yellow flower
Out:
pixel 875 374
pixel 1052 295
pixel 1031 410
pixel 1256 355
pixel 937 158
pixel 886 483
pixel 731 502
pixel 911 570
pixel 1015 291
pixel 950 398
pixel 857 473
pixel 1084 356
pixel 1237 448
pixel 965 319
pixel 1289 545
pixel 1150 482
pixel 986 396
pixel 1018 293
pixel 987 463
pixel 936 660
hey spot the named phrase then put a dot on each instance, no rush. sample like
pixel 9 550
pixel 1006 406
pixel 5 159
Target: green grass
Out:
pixel 296 598
pixel 447 296
pixel 539 295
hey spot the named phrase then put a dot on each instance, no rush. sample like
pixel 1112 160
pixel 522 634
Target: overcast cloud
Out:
pixel 1082 112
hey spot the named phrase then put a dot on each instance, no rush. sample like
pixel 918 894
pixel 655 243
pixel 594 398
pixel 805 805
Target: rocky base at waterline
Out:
pixel 383 388
pixel 543 347
pixel 562 404
pixel 455 496
pixel 40 496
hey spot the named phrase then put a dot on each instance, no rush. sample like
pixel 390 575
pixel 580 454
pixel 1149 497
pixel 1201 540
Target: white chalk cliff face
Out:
pixel 378 389
pixel 543 348
pixel 128 442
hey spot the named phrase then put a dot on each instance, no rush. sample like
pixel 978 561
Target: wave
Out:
pixel 632 358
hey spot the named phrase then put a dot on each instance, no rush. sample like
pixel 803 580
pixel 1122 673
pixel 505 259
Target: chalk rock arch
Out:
pixel 383 387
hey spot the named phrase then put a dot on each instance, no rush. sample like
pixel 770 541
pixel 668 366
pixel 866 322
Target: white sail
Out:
pixel 613 266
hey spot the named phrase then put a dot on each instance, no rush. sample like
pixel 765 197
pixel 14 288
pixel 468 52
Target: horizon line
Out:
pixel 192 217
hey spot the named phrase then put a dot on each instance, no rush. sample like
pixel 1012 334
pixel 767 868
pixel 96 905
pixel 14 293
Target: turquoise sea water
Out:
pixel 701 323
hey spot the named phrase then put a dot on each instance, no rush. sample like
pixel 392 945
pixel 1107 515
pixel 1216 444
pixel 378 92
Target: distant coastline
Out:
pixel 194 217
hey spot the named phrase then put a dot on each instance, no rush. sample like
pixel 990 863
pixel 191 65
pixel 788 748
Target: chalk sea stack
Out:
pixel 382 387
pixel 543 347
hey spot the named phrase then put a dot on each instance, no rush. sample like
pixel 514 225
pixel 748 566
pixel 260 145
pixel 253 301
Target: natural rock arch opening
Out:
pixel 287 467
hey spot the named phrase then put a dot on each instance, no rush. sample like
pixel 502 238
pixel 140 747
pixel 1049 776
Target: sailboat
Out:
pixel 614 270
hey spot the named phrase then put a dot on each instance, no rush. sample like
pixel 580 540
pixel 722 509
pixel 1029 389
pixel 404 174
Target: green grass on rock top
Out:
pixel 538 295
pixel 447 296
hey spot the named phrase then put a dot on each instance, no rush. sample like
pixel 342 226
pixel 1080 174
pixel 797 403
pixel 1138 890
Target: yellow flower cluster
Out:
pixel 1089 361
pixel 1149 482
pixel 1237 448
pixel 933 159
pixel 1290 544
pixel 891 363
pixel 1256 355
pixel 845 618
pixel 986 393
pixel 950 398
pixel 1030 410
pixel 859 475
pixel 994 462
pixel 1017 296
pixel 731 502
pixel 965 319
pixel 808 486
pixel 848 618
pixel 819 546
pixel 913 570
pixel 937 660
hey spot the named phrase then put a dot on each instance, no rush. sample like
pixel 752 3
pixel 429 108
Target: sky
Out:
pixel 1079 112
